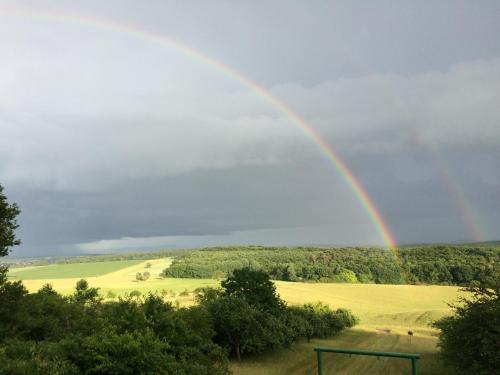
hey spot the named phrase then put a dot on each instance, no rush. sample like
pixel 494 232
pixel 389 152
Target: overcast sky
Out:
pixel 110 141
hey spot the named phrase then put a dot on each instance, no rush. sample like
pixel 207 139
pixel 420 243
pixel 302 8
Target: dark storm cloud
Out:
pixel 109 141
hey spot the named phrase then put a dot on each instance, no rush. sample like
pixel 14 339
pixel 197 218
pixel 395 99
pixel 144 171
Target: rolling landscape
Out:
pixel 386 311
pixel 248 187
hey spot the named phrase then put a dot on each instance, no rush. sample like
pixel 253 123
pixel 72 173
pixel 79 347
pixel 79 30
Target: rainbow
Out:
pixel 165 41
pixel 455 191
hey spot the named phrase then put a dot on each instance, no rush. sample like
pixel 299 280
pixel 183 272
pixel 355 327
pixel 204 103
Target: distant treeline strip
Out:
pixel 25 262
pixel 440 264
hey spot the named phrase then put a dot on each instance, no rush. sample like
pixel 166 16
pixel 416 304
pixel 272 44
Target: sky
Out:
pixel 113 140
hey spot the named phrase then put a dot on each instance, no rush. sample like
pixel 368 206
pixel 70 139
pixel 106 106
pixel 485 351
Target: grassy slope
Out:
pixel 394 307
pixel 407 306
pixel 65 271
pixel 301 359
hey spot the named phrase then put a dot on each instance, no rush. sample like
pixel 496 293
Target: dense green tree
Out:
pixel 253 286
pixel 244 328
pixel 84 294
pixel 469 341
pixel 12 311
pixel 8 224
pixel 80 334
pixel 11 293
pixel 250 318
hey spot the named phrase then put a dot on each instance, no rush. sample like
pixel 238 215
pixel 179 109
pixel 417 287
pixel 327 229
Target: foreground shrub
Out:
pixel 469 341
pixel 79 334
pixel 249 317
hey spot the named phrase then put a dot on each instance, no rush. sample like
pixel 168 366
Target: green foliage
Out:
pixel 84 294
pixel 239 325
pixel 451 265
pixel 250 318
pixel 291 264
pixel 8 224
pixel 52 334
pixel 318 320
pixel 12 297
pixel 111 294
pixel 345 276
pixel 470 340
pixel 108 352
pixel 253 286
pixel 142 276
pixel 135 293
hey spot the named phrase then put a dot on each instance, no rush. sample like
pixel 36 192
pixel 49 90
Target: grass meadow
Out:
pixel 67 271
pixel 386 314
pixel 119 278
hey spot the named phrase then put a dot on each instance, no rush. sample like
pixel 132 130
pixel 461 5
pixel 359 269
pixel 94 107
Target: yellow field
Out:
pixel 399 307
pixel 403 306
pixel 123 281
pixel 386 312
pixel 301 359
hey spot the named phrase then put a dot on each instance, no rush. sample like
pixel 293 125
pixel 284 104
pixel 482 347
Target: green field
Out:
pixel 65 271
pixel 381 308
pixel 115 276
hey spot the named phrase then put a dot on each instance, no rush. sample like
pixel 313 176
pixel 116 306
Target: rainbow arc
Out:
pixel 165 41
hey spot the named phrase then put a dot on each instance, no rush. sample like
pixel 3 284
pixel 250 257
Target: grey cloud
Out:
pixel 107 136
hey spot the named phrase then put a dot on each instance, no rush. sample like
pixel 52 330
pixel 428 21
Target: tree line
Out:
pixel 439 264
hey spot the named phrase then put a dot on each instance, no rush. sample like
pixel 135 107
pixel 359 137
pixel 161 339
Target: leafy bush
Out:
pixel 111 294
pixel 469 341
pixel 79 334
pixel 250 318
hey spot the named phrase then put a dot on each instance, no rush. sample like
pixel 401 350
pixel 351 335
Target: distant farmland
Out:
pixel 64 271
pixel 386 312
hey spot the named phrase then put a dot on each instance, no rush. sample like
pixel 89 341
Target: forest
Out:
pixel 437 264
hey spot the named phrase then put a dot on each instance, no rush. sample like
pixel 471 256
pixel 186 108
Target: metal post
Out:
pixel 411 356
pixel 414 366
pixel 320 362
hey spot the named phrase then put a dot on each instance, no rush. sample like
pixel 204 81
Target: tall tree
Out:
pixel 8 224
pixel 255 287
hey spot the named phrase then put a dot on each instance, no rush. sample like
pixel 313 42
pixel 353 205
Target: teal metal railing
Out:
pixel 410 356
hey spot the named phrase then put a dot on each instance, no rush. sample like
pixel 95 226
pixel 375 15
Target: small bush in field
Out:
pixel 135 293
